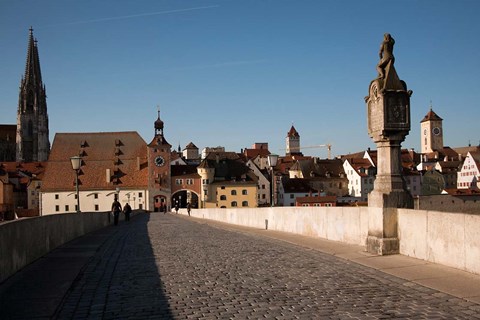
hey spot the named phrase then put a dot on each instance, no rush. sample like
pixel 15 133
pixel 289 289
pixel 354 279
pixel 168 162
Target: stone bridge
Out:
pixel 168 266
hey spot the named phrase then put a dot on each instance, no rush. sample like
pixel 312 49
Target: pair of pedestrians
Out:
pixel 117 208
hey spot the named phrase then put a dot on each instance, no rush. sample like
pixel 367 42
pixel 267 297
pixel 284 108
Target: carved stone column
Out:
pixel 388 112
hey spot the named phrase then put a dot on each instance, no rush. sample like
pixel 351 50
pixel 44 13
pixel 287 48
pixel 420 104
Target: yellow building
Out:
pixel 236 194
pixel 227 182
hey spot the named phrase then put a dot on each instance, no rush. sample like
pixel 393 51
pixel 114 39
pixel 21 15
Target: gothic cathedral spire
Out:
pixel 32 119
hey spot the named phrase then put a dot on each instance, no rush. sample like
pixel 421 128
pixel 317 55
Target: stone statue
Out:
pixel 386 54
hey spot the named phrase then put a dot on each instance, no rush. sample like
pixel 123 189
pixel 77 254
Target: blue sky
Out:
pixel 233 73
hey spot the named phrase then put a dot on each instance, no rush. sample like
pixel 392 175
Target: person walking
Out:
pixel 116 209
pixel 189 207
pixel 127 210
pixel 176 208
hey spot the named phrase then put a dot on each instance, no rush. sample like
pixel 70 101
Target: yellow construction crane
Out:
pixel 328 146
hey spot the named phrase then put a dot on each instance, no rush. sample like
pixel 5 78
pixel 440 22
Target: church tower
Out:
pixel 32 119
pixel 159 172
pixel 293 142
pixel 431 132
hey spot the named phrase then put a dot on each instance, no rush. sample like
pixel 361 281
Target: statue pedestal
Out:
pixel 388 110
pixel 389 193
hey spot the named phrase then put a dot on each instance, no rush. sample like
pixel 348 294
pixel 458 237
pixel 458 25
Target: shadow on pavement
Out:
pixel 110 273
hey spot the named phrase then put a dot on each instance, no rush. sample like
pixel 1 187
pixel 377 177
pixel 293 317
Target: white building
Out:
pixel 468 176
pixel 361 176
pixel 263 184
pixel 112 163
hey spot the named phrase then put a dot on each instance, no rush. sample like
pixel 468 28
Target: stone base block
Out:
pixel 392 199
pixel 383 246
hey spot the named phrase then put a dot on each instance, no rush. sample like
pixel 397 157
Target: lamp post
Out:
pixel 272 162
pixel 76 163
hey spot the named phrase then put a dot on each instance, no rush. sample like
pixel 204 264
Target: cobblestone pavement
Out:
pixel 167 267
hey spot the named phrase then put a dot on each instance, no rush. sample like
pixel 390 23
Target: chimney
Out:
pixel 108 176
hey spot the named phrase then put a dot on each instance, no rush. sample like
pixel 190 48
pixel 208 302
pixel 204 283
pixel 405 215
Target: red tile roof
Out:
pixel 124 153
pixel 253 153
pixel 293 132
pixel 431 116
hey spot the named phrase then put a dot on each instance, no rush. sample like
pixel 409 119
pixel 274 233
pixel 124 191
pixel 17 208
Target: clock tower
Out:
pixel 159 173
pixel 431 132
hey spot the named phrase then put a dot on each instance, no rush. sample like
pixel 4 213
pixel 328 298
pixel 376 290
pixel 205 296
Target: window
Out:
pixel 140 194
pixel 204 181
pixel 76 196
pixel 178 181
pixel 223 197
pixel 292 196
pixel 32 192
pixel 234 203
pixel 57 208
pixel 76 208
pixel 96 207
pixel 66 208
pixel 244 192
pixel 140 206
pixel 95 196
pixel 263 186
pixel 189 181
pixel 56 196
pixel 234 192
pixel 223 188
pixel 263 196
pixel 244 203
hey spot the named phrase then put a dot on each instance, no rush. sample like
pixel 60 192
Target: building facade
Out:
pixel 227 182
pixel 468 177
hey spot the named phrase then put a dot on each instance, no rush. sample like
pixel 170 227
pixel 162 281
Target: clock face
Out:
pixel 436 131
pixel 159 161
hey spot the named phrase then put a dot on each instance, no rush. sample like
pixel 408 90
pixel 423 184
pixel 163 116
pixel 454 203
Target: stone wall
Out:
pixel 25 240
pixel 450 239
pixel 349 225
pixel 446 203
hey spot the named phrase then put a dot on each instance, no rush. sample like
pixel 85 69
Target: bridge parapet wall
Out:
pixel 25 240
pixel 451 239
pixel 348 225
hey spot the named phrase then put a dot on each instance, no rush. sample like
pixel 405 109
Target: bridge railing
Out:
pixel 23 241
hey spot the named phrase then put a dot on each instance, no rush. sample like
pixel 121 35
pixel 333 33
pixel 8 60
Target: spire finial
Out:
pixel 158 111
pixel 31 30
pixel 431 108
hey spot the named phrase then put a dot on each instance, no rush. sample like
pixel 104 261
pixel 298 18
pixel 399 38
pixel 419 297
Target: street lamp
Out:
pixel 272 162
pixel 76 163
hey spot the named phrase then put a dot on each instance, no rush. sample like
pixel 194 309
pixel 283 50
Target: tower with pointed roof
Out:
pixel 293 142
pixel 32 141
pixel 159 171
pixel 431 132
